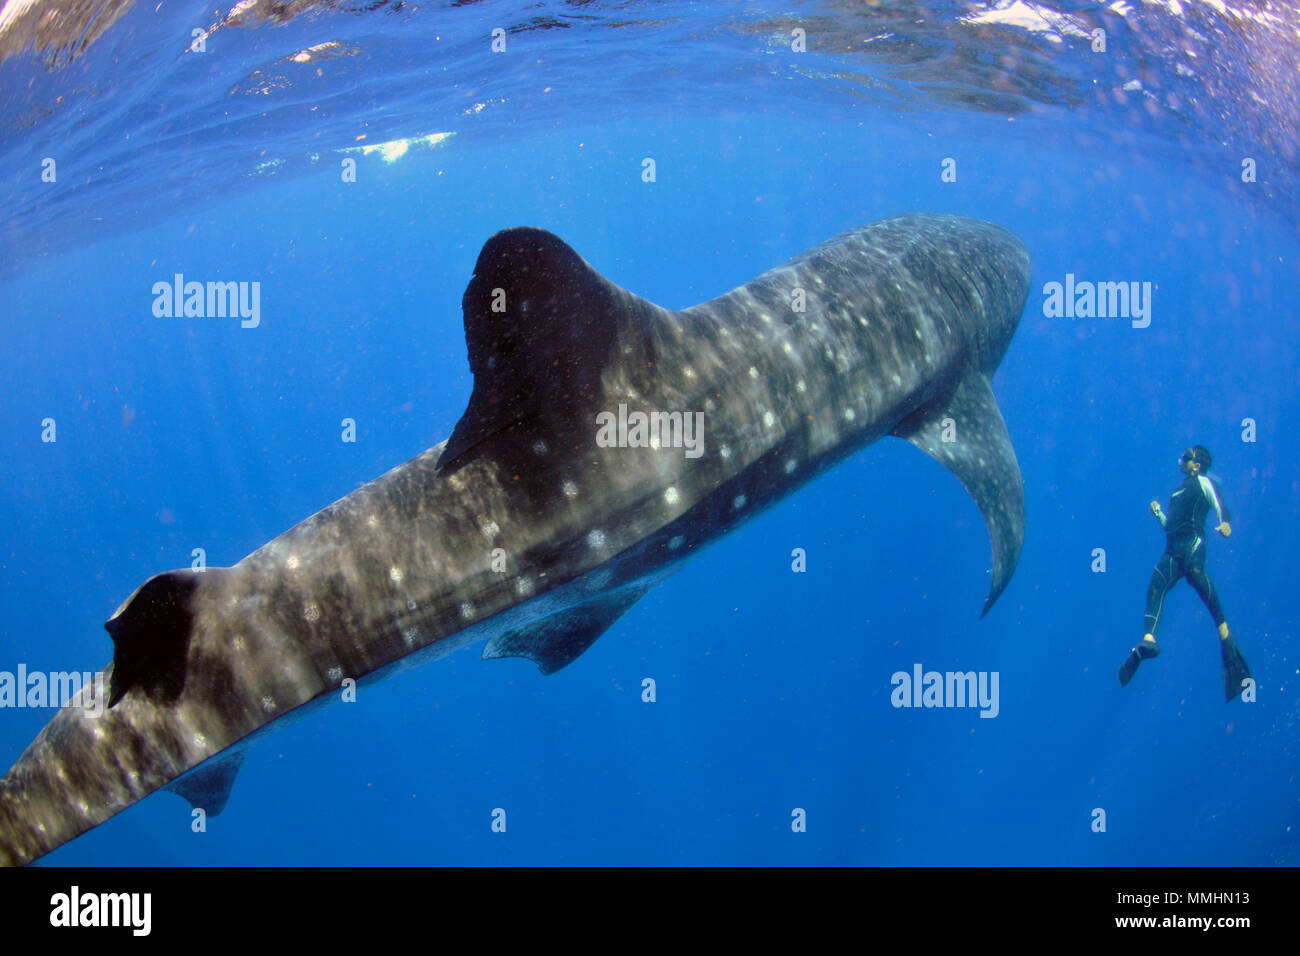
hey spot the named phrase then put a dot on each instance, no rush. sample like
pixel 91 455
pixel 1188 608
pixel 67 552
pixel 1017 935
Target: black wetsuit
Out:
pixel 1185 548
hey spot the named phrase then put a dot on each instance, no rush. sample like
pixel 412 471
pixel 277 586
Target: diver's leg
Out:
pixel 1199 579
pixel 1166 574
pixel 1235 669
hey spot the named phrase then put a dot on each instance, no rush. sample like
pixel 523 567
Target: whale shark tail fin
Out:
pixel 965 433
pixel 540 324
pixel 151 634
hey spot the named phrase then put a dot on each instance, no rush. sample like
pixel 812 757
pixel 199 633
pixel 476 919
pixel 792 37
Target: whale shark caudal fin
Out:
pixel 974 446
pixel 539 322
pixel 557 641
pixel 207 788
pixel 151 635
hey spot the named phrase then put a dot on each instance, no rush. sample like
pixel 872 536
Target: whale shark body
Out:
pixel 566 491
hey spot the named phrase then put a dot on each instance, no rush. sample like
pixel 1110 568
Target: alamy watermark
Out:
pixel 1075 299
pixel 683 430
pixel 208 300
pixel 25 688
pixel 947 689
pixel 74 908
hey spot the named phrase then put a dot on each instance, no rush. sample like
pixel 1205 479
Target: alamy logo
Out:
pixel 1101 300
pixel 75 908
pixel 211 300
pixel 54 689
pixel 683 430
pixel 949 689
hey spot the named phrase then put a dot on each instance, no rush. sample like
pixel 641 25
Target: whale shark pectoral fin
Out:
pixel 208 787
pixel 965 433
pixel 151 635
pixel 539 326
pixel 558 640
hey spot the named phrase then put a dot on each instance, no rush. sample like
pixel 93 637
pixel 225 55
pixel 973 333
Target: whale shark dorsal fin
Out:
pixel 151 634
pixel 965 433
pixel 557 641
pixel 207 788
pixel 539 322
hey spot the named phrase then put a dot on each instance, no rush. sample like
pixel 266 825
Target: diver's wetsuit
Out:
pixel 1185 548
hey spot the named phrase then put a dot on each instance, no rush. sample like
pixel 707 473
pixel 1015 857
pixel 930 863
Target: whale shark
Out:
pixel 606 440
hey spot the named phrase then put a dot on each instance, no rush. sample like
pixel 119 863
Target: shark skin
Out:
pixel 525 531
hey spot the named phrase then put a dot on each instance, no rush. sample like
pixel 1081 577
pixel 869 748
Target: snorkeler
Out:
pixel 1185 557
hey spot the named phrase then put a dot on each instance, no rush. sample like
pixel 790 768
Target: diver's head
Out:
pixel 1195 461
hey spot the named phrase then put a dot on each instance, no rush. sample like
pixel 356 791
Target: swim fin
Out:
pixel 1235 668
pixel 1140 653
pixel 1129 667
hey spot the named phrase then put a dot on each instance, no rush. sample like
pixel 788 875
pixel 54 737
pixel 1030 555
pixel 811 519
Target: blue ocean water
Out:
pixel 773 687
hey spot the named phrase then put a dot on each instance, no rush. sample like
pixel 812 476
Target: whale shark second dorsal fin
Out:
pixel 964 431
pixel 540 325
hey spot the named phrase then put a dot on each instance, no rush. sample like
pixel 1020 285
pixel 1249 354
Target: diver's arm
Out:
pixel 1211 493
pixel 1160 515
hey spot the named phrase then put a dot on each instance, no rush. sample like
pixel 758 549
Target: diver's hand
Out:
pixel 1224 530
